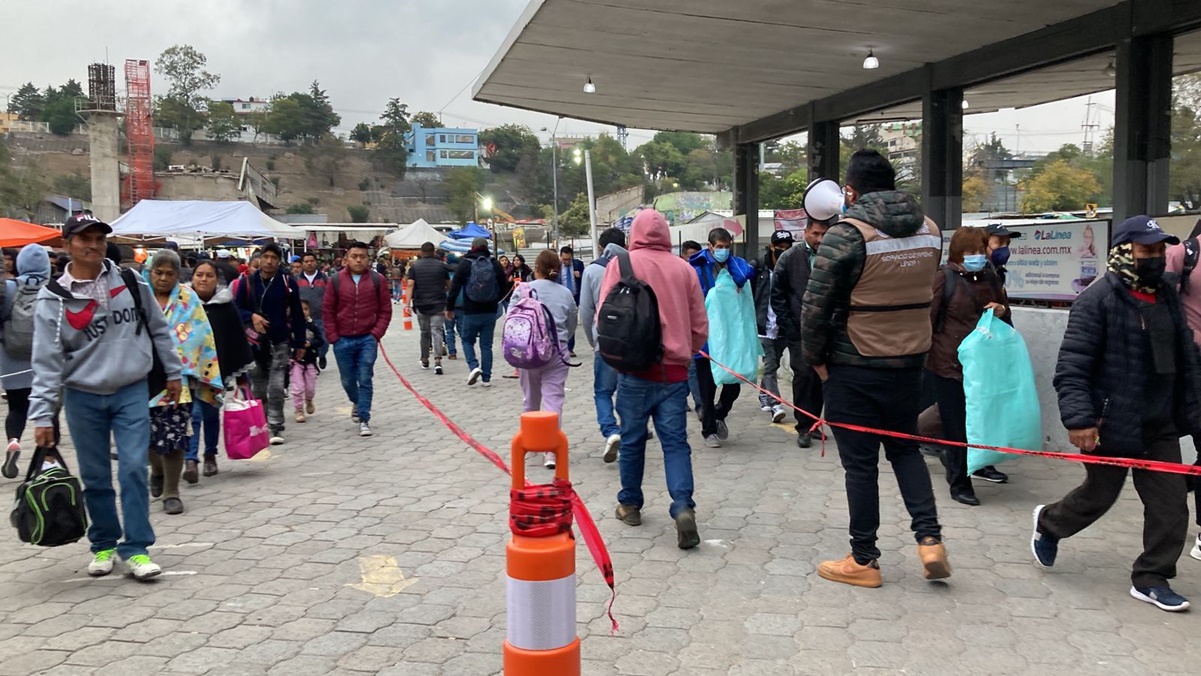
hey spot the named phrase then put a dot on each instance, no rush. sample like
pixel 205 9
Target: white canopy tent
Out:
pixel 413 235
pixel 205 220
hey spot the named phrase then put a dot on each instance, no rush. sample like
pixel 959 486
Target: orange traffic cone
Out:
pixel 408 314
pixel 540 591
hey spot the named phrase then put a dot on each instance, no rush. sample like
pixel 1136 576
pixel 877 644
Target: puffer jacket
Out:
pixel 1101 372
pixel 839 264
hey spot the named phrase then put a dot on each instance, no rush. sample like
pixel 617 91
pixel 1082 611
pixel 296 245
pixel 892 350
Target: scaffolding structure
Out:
pixel 139 130
pixel 102 87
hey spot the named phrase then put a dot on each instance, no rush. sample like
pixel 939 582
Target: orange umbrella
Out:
pixel 20 233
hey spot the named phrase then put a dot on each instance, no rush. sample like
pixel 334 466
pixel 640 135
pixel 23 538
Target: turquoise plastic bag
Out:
pixel 1002 401
pixel 733 331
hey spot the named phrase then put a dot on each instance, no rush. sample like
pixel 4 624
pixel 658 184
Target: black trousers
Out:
pixel 885 399
pixel 806 388
pixel 712 411
pixel 18 414
pixel 952 408
pixel 1165 510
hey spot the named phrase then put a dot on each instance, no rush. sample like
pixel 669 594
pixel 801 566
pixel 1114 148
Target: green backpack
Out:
pixel 49 511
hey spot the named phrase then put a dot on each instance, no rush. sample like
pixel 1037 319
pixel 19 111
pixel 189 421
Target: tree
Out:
pixel 427 120
pixel 513 142
pixel 21 187
pixel 326 158
pixel 285 119
pixel 462 184
pixel 74 185
pixel 1184 179
pixel 1059 187
pixel 258 122
pixel 362 133
pixel 359 213
pixel 391 155
pixel 396 117
pixel 783 193
pixel 183 68
pixel 791 155
pixel 162 157
pixel 319 113
pixel 976 189
pixel 575 221
pixel 301 208
pixel 60 114
pixel 27 102
pixel 223 124
pixel 860 137
pixel 683 141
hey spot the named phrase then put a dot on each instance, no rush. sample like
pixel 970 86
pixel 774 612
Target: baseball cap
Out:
pixel 1001 231
pixel 294 259
pixel 1141 230
pixel 782 237
pixel 224 254
pixel 77 224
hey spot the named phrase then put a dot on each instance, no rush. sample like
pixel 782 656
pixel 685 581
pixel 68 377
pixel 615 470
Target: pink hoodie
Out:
pixel 681 305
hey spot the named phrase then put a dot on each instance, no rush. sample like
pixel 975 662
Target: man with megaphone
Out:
pixel 866 331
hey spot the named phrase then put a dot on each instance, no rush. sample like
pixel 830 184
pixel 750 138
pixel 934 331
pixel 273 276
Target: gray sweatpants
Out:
pixel 433 333
pixel 267 380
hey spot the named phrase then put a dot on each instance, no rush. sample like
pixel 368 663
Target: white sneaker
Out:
pixel 778 413
pixel 487 383
pixel 712 441
pixel 276 440
pixel 1195 552
pixel 142 568
pixel 102 563
pixel 14 445
pixel 474 376
pixel 364 429
pixel 549 461
pixel 612 447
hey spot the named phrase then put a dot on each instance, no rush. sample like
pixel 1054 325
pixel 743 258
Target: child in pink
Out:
pixel 304 370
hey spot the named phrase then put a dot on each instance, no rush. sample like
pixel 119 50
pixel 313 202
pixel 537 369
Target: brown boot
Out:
pixel 848 571
pixel 934 559
pixel 191 471
pixel 299 414
pixel 309 407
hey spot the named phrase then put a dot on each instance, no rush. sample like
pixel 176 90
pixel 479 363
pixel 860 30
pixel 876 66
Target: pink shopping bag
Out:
pixel 246 432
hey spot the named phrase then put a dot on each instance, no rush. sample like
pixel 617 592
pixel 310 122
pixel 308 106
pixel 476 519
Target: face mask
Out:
pixel 1150 270
pixel 974 262
pixel 722 255
pixel 1000 256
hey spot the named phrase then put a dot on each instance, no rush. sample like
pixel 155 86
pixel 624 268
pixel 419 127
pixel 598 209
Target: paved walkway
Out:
pixel 343 555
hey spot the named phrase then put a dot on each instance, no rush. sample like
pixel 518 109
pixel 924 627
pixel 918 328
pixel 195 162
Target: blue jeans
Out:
pixel 482 327
pixel 667 403
pixel 208 417
pixel 604 386
pixel 451 327
pixel 91 418
pixel 324 349
pixel 694 385
pixel 356 364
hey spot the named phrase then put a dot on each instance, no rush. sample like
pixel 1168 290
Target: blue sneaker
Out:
pixel 1161 597
pixel 1044 547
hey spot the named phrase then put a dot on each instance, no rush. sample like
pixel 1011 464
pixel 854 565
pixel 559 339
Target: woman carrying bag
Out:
pixel 963 291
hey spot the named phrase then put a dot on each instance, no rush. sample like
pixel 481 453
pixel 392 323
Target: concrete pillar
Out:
pixel 746 192
pixel 106 177
pixel 942 157
pixel 1142 141
pixel 823 151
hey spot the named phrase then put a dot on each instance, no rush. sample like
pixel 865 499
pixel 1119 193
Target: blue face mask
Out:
pixel 1000 256
pixel 974 262
pixel 722 255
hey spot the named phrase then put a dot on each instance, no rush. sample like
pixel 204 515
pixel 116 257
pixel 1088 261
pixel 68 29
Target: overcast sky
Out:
pixel 427 52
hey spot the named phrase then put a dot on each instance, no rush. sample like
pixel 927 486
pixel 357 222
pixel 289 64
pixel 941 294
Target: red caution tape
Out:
pixel 538 510
pixel 1131 463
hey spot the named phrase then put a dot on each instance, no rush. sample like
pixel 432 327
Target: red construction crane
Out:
pixel 139 130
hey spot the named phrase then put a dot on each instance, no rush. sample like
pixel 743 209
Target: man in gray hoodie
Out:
pixel 95 344
pixel 604 383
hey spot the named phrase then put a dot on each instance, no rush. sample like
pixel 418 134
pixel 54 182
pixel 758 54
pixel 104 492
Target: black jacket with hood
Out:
pixel 788 292
pixel 840 260
pixel 462 275
pixel 1104 360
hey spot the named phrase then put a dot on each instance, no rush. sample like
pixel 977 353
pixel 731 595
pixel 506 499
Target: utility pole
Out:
pixel 591 202
pixel 554 162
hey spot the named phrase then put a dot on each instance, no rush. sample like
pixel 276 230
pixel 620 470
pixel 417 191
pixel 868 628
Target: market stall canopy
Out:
pixel 413 235
pixel 15 233
pixel 470 231
pixel 211 220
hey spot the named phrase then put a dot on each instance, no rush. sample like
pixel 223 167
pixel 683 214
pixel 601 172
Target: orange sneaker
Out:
pixel 848 571
pixel 934 559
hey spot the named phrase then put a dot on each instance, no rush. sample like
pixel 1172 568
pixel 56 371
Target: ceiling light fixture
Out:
pixel 589 88
pixel 1109 70
pixel 871 62
pixel 965 104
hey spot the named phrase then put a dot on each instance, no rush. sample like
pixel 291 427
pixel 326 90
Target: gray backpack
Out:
pixel 18 330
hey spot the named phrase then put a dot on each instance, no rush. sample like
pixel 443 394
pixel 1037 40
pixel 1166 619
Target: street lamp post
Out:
pixel 554 172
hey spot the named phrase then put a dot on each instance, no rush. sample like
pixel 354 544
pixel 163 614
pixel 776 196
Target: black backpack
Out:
pixel 156 380
pixel 49 511
pixel 1191 251
pixel 628 328
pixel 482 284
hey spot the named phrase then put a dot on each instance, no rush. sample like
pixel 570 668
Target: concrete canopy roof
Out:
pixel 715 65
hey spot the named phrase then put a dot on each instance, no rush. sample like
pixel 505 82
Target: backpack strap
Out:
pixel 131 285
pixel 627 269
pixel 950 282
pixel 1192 250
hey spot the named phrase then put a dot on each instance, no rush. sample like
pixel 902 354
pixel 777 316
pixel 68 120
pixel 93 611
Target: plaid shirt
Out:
pixel 96 289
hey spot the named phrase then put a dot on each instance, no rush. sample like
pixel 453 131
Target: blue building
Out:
pixel 442 147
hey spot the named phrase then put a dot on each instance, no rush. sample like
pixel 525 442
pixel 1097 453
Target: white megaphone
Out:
pixel 823 200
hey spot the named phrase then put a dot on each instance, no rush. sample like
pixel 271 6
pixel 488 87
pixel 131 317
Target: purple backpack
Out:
pixel 529 339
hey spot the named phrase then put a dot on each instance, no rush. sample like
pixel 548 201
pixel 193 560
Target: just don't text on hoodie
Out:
pixel 93 346
pixel 677 290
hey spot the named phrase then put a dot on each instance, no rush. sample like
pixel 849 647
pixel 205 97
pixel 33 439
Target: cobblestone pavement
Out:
pixel 286 566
